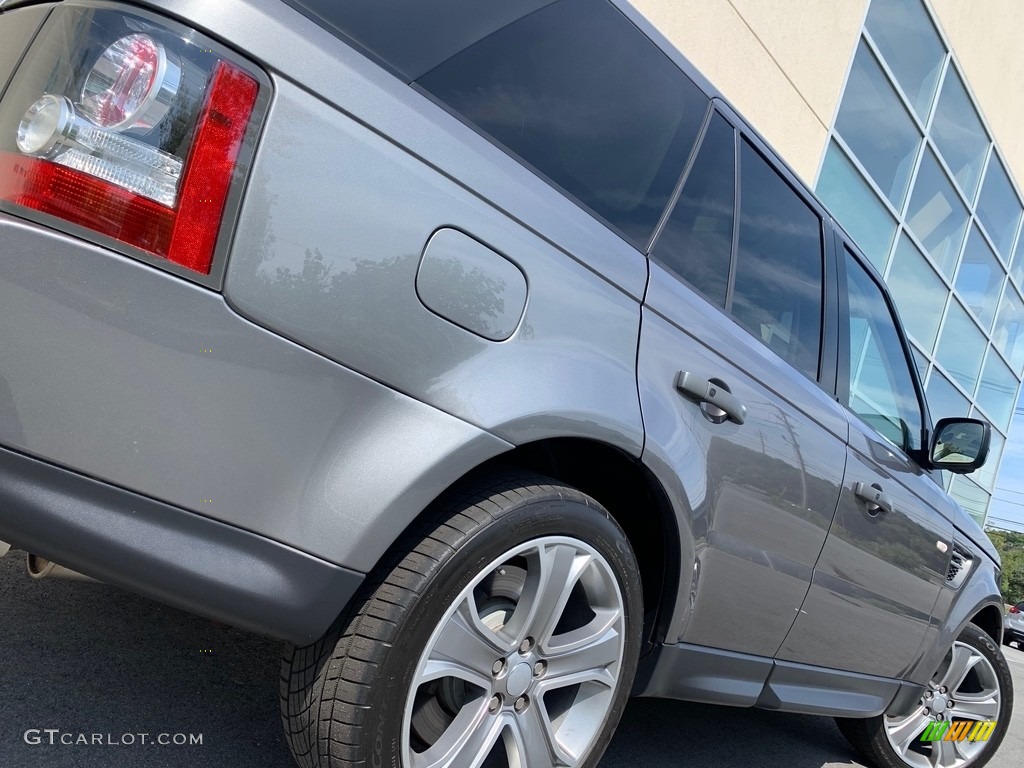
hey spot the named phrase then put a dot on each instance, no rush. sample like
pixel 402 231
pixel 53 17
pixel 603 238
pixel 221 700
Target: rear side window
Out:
pixel 778 285
pixel 696 242
pixel 586 99
pixel 771 283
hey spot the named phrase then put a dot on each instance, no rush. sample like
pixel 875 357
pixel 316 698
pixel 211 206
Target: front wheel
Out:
pixel 505 633
pixel 959 721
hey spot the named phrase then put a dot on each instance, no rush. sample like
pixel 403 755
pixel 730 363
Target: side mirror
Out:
pixel 959 445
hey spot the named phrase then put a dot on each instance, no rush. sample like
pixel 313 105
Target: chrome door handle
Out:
pixel 711 393
pixel 874 497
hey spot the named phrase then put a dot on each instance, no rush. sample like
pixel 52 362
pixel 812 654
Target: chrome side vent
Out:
pixel 959 567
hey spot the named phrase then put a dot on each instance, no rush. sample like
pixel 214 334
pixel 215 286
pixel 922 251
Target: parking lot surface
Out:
pixel 90 659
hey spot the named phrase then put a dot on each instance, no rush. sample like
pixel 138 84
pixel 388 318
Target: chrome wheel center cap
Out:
pixel 519 679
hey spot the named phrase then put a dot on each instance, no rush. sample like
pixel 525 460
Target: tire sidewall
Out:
pixel 537 516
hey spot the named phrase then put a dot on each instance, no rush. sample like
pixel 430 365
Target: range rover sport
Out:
pixel 485 355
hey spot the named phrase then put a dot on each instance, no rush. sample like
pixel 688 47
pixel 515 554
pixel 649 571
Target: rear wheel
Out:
pixel 971 687
pixel 504 633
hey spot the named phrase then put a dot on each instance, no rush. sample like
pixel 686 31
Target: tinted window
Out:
pixel 584 97
pixel 696 243
pixel 778 283
pixel 881 388
pixel 413 36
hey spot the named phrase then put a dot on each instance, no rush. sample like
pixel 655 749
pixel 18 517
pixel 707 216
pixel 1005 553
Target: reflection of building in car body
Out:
pixel 905 116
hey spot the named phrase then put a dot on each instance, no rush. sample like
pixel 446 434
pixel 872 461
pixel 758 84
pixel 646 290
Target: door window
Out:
pixel 696 242
pixel 778 284
pixel 882 389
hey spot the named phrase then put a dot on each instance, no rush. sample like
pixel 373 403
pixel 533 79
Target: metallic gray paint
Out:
pixel 821 691
pixel 709 675
pixel 287 43
pixel 181 558
pixel 715 676
pixel 878 577
pixel 119 371
pixel 19 30
pixel 473 286
pixel 104 371
pixel 758 498
pixel 340 278
pixel 953 611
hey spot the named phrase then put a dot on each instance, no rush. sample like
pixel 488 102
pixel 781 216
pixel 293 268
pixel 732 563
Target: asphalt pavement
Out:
pixel 84 660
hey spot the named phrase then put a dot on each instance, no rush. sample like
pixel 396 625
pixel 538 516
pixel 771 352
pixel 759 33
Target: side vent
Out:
pixel 959 567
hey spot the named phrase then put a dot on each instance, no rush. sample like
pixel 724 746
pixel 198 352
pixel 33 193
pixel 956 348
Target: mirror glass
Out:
pixel 959 442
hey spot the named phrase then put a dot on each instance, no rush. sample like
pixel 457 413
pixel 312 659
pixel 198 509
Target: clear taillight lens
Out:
pixel 127 127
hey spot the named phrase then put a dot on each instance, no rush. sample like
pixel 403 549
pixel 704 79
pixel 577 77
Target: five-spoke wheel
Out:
pixel 505 633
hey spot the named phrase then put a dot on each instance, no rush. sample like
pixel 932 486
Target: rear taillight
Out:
pixel 1015 609
pixel 128 128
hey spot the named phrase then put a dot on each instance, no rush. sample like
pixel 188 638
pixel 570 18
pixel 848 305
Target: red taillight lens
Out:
pixel 1015 609
pixel 139 143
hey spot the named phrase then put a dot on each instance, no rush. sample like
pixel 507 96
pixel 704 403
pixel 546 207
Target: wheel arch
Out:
pixel 990 620
pixel 977 602
pixel 617 480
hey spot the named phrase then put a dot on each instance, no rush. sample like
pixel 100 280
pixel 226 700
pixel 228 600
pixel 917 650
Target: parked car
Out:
pixel 1013 625
pixel 486 355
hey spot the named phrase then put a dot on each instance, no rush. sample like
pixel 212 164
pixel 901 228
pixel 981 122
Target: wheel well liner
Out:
pixel 990 621
pixel 631 495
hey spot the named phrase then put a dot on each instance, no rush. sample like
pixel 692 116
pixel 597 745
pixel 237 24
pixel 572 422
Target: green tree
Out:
pixel 1010 546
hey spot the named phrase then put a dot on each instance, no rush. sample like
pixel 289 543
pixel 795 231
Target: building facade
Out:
pixel 905 116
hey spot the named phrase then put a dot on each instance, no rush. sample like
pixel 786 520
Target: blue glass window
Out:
pixel 910 46
pixel 855 206
pixel 936 215
pixel 979 279
pixel 998 207
pixel 877 128
pixel 961 347
pixel 959 134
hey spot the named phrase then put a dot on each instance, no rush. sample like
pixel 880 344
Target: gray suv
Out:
pixel 483 353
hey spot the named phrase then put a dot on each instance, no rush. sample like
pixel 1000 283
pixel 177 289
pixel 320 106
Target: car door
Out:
pixel 886 556
pixel 730 354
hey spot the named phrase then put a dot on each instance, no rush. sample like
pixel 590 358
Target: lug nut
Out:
pixel 539 668
pixel 521 703
pixel 494 703
pixel 497 667
pixel 526 645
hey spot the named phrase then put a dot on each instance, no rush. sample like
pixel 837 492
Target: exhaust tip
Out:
pixel 40 568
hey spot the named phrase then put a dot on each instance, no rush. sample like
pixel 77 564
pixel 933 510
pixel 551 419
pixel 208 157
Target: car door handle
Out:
pixel 874 497
pixel 712 393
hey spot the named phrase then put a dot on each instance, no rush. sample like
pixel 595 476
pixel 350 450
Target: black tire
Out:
pixel 868 736
pixel 345 699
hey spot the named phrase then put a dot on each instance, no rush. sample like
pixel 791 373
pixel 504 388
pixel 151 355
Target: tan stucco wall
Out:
pixel 782 63
pixel 986 40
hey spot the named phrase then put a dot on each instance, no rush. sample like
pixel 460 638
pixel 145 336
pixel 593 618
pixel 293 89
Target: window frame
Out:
pixel 845 243
pixel 829 333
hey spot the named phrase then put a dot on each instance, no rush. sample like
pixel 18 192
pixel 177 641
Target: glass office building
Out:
pixel 869 102
pixel 912 172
